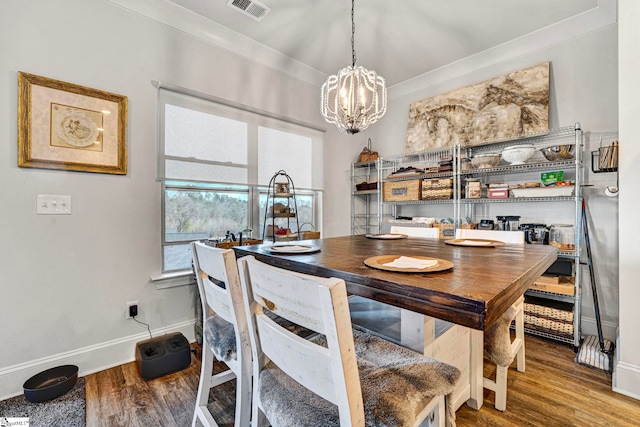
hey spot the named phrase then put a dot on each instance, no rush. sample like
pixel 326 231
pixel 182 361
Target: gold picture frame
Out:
pixel 70 127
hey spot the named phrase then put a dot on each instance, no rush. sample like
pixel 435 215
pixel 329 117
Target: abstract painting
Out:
pixel 506 107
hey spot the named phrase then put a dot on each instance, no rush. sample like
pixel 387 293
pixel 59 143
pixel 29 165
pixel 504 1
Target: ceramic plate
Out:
pixel 386 236
pixel 379 261
pixel 482 243
pixel 292 249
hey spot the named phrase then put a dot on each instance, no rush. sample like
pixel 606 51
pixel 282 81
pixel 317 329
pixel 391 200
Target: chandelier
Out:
pixel 355 97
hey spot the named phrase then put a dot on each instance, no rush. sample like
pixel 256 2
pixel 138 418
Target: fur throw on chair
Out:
pixel 221 338
pixel 396 384
pixel 497 339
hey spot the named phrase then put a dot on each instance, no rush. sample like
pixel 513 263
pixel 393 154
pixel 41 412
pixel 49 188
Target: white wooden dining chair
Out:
pixel 339 376
pixel 424 232
pixel 225 337
pixel 498 347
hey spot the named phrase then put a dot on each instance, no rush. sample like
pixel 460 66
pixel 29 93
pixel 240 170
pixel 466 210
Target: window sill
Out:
pixel 173 279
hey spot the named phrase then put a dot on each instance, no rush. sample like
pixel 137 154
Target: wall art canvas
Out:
pixel 66 126
pixel 506 107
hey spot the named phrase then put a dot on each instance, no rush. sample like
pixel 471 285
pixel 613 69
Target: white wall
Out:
pixel 627 374
pixel 65 280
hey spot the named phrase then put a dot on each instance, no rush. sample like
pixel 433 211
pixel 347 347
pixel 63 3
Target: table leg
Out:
pixel 476 363
pixel 417 332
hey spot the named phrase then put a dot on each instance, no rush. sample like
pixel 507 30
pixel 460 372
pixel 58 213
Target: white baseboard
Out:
pixel 626 377
pixel 89 359
pixel 589 327
pixel 627 380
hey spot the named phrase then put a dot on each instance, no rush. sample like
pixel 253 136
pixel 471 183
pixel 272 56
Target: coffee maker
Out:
pixel 536 234
pixel 508 223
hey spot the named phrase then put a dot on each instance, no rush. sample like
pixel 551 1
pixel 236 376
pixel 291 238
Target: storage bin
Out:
pixel 473 190
pixel 402 191
pixel 498 193
pixel 434 189
pixel 428 184
pixel 447 231
pixel 437 194
pixel 557 191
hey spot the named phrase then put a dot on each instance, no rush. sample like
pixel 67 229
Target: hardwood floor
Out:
pixel 554 391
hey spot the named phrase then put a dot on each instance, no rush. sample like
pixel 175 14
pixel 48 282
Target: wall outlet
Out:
pixel 132 309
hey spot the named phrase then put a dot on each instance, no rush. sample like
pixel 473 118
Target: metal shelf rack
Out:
pixel 462 207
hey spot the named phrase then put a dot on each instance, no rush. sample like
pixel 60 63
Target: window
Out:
pixel 215 162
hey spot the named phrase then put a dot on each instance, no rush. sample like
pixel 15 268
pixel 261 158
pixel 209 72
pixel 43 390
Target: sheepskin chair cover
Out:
pixel 397 383
pixel 221 338
pixel 497 339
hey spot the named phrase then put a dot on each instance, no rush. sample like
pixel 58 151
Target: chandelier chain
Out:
pixel 353 34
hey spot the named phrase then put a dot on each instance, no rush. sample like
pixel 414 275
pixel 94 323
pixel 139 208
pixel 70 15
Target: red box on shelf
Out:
pixel 498 193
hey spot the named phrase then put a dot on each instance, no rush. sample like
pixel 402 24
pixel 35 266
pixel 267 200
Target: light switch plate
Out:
pixel 53 205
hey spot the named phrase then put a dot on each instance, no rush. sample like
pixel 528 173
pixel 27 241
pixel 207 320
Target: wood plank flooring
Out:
pixel 554 391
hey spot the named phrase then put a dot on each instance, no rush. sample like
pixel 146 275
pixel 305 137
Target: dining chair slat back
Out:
pixel 317 304
pixel 226 336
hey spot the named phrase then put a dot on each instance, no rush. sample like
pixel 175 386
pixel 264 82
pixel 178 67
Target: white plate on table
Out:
pixel 292 249
pixel 386 236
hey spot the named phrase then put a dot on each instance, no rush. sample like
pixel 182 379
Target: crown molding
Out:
pixel 211 32
pixel 208 31
pixel 604 15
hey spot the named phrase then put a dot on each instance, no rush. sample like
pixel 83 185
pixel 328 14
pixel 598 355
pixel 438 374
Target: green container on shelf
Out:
pixel 550 178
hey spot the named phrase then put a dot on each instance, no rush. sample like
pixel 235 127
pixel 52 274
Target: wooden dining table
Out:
pixel 480 285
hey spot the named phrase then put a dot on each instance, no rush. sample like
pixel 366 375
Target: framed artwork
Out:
pixel 512 106
pixel 70 127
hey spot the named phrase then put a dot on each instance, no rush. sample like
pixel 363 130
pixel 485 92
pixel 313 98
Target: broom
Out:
pixel 594 352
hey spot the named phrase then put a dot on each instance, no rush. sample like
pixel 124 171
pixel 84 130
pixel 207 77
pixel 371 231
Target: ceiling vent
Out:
pixel 251 8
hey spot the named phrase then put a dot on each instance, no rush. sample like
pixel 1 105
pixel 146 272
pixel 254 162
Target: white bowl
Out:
pixel 518 154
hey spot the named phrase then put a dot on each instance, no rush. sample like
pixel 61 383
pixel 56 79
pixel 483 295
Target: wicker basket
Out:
pixel 437 193
pixel 440 183
pixel 402 191
pixel 367 154
pixel 447 231
pixel 437 189
pixel 309 235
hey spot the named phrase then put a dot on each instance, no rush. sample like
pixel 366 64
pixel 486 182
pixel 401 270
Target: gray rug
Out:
pixel 67 410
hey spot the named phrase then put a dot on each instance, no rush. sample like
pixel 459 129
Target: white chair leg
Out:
pixel 501 388
pixel 243 396
pixel 204 385
pixel 258 419
pixel 520 335
pixel 442 413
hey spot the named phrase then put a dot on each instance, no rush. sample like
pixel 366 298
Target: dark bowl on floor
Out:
pixel 51 383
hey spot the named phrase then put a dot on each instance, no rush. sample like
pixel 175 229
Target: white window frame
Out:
pixel 255 119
